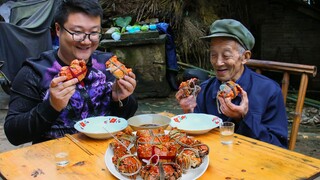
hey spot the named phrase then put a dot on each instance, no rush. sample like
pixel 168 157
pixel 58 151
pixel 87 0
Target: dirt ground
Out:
pixel 308 141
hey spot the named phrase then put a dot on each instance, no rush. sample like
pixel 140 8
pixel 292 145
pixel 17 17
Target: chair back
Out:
pixel 288 68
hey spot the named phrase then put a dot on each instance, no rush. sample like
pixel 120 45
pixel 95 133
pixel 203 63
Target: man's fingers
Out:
pixel 61 83
pixel 132 75
pixel 131 79
pixel 63 93
pixel 179 95
pixel 221 101
pixel 122 88
pixel 125 86
pixel 229 104
pixel 244 99
pixel 68 90
pixel 244 95
pixel 222 110
pixel 69 93
pixel 56 81
pixel 128 82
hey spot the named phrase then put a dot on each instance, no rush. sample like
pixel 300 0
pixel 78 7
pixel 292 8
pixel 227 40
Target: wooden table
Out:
pixel 245 159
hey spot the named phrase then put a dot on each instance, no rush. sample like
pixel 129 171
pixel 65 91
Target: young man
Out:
pixel 259 112
pixel 44 105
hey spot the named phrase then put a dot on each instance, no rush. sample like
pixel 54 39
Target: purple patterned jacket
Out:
pixel 32 118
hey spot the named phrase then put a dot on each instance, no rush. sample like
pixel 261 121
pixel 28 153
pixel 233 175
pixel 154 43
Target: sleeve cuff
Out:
pixel 47 112
pixel 117 103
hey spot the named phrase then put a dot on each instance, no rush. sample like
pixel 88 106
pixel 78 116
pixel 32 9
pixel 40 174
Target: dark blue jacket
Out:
pixel 266 119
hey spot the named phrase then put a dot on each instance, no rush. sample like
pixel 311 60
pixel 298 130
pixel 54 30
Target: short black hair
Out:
pixel 89 7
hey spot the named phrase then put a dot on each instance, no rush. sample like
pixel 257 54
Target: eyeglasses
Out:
pixel 81 36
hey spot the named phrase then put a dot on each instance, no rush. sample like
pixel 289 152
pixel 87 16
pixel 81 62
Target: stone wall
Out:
pixel 147 59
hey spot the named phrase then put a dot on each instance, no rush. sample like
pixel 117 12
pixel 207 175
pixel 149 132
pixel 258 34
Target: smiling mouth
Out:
pixel 83 48
pixel 221 70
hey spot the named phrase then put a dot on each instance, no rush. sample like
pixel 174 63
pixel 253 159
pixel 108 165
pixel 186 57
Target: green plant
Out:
pixel 123 22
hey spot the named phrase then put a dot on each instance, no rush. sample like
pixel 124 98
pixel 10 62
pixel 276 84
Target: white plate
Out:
pixel 195 123
pixel 191 173
pixel 95 127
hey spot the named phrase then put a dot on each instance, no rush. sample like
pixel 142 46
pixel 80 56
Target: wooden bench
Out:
pixel 287 69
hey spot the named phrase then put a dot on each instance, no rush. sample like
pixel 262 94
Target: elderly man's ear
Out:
pixel 246 56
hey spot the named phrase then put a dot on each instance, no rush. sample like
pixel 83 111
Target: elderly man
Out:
pixel 259 111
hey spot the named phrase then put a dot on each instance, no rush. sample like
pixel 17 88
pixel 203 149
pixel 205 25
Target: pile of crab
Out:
pixel 154 154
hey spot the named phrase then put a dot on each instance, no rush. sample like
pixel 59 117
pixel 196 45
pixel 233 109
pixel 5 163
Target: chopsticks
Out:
pixel 77 142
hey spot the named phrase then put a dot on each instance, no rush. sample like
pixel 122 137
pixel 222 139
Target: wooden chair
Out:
pixel 287 69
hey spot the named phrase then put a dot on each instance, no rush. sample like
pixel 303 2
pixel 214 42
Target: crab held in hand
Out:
pixel 118 69
pixel 190 87
pixel 77 69
pixel 229 89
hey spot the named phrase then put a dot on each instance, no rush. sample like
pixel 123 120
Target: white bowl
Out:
pixel 148 121
pixel 98 127
pixel 195 123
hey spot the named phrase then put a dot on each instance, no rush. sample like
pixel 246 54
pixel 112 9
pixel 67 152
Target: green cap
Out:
pixel 231 28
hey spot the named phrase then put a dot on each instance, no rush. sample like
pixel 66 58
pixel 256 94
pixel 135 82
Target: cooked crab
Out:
pixel 166 151
pixel 150 132
pixel 190 87
pixel 77 69
pixel 229 89
pixel 129 165
pixel 188 158
pixel 118 69
pixel 159 155
pixel 167 171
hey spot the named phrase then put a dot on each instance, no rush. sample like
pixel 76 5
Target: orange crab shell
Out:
pixel 118 69
pixel 77 69
pixel 229 89
pixel 188 86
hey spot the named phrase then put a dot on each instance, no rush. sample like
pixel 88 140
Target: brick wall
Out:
pixel 286 33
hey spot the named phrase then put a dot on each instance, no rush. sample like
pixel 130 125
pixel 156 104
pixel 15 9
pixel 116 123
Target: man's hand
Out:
pixel 231 110
pixel 187 104
pixel 61 91
pixel 124 87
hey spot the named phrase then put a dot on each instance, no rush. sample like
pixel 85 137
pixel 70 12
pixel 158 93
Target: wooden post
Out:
pixel 285 85
pixel 298 111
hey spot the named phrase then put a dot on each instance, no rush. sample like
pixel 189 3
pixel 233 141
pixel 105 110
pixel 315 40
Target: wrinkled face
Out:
pixel 70 49
pixel 226 58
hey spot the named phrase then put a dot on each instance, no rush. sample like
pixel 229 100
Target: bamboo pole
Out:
pixel 307 101
pixel 298 111
pixel 285 85
pixel 283 66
